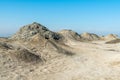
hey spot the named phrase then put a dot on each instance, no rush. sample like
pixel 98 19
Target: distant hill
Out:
pixel 110 37
pixel 89 36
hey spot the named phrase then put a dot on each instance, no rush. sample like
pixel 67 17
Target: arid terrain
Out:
pixel 36 53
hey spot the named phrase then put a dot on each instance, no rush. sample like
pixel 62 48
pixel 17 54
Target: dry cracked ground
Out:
pixel 47 55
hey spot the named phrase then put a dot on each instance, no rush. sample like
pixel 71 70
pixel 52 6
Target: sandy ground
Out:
pixel 92 61
pixel 96 61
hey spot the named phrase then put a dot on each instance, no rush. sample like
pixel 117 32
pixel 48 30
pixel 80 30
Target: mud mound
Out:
pixel 89 36
pixel 113 41
pixel 70 35
pixel 39 43
pixel 110 37
pixel 26 32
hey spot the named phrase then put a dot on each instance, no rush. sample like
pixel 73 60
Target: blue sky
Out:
pixel 95 16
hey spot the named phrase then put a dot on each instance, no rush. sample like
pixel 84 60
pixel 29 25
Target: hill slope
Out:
pixel 36 53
